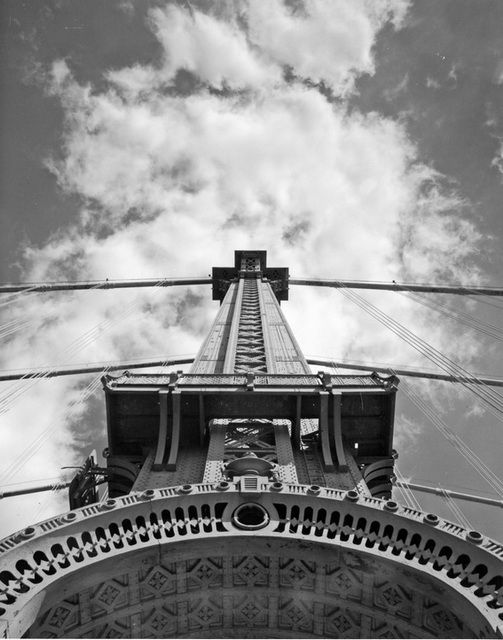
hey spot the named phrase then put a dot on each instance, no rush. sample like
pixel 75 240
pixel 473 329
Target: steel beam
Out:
pixel 175 431
pixel 27 374
pixel 44 287
pixel 162 437
pixel 412 373
pixel 452 494
pixel 230 353
pixel 393 286
pixel 57 486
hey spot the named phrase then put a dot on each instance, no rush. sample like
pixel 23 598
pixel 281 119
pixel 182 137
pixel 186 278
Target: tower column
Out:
pixel 250 332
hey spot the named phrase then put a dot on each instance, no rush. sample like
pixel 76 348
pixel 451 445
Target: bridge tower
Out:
pixel 249 498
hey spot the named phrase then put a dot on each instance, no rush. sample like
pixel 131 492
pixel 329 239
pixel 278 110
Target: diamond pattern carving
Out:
pixel 251 570
pixel 297 573
pixel 393 598
pixel 59 616
pixel 109 596
pixel 340 623
pixel 439 619
pixel 271 593
pixel 295 615
pixel 344 583
pixel 159 581
pixel 250 611
pixel 161 623
pixel 204 573
pixel 205 612
pixel 60 619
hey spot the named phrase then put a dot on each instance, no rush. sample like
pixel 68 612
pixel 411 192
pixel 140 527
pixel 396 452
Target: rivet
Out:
pixel 69 517
pixel 474 536
pixel 108 505
pixel 185 488
pixel 431 518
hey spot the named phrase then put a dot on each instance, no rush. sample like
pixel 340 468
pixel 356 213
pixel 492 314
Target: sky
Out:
pixel 351 139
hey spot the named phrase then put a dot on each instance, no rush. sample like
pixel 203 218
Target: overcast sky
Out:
pixel 350 139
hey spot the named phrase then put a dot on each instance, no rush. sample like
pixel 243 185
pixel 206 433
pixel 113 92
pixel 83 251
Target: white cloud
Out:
pixel 216 51
pixel 497 161
pixel 322 41
pixel 431 83
pixel 171 185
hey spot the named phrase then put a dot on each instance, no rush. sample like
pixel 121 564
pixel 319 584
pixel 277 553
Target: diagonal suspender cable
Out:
pixel 492 398
pixel 464 318
pixel 16 297
pixel 89 390
pixel 452 438
pixel 407 493
pixel 39 440
pixel 13 326
pixel 11 394
pixel 456 510
pixel 16 324
pixel 490 303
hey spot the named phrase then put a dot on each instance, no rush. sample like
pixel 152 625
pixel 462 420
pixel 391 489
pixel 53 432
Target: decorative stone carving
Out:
pixel 184 560
pixel 159 581
pixel 251 571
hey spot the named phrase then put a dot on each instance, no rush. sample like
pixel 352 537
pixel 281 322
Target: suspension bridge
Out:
pixel 483 388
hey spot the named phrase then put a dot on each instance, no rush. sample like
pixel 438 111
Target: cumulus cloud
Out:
pixel 329 42
pixel 248 156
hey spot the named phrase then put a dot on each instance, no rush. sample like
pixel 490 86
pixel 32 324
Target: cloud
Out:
pixel 329 42
pixel 431 83
pixel 172 182
pixel 497 161
pixel 407 433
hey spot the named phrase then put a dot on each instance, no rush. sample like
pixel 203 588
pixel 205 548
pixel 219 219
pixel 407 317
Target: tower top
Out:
pixel 250 264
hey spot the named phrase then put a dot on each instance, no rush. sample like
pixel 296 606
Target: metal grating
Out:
pixel 250 349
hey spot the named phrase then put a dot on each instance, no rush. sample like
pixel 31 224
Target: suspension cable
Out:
pixel 41 287
pixel 51 371
pixel 456 510
pixel 464 318
pixel 13 392
pixel 493 399
pixel 405 490
pixel 401 371
pixel 393 286
pixel 34 446
pixel 454 440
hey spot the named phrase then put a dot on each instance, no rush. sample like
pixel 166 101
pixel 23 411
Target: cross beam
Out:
pixel 41 287
pixel 394 286
pixel 452 494
pixel 412 373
